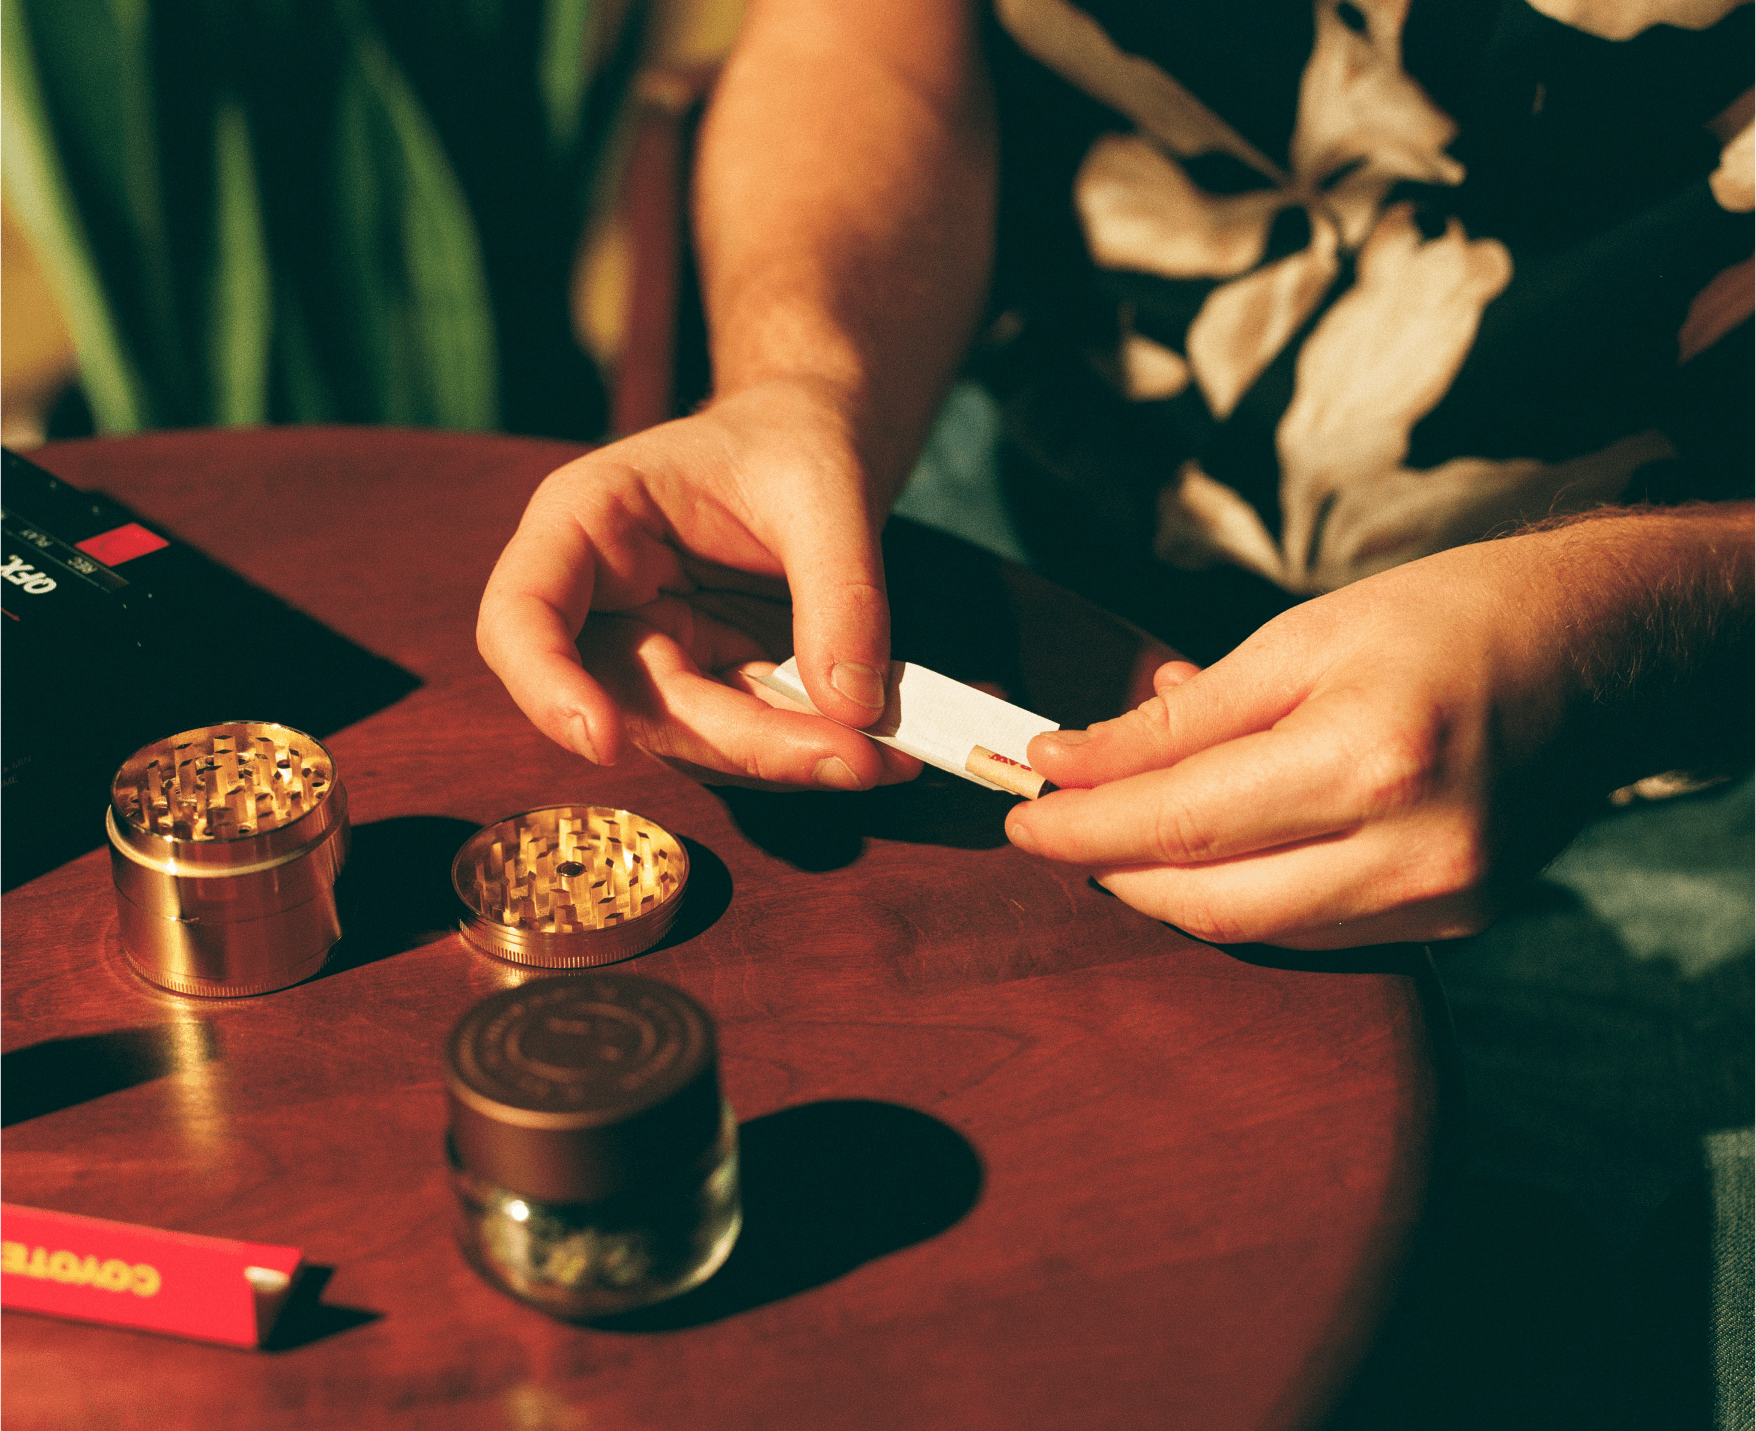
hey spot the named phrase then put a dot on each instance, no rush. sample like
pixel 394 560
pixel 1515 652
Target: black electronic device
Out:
pixel 115 634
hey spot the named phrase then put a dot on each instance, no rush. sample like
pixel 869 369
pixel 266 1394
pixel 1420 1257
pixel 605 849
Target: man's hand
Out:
pixel 668 558
pixel 844 203
pixel 1385 762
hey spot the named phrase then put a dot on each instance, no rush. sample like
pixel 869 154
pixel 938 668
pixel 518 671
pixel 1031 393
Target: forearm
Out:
pixel 1660 600
pixel 845 208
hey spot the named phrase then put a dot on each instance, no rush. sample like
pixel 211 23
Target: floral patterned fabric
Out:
pixel 1340 286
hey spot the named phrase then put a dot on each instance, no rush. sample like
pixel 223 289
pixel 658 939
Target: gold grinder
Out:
pixel 225 843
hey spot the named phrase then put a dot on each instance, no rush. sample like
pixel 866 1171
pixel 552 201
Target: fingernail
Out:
pixel 1019 833
pixel 1070 737
pixel 863 685
pixel 836 773
pixel 578 741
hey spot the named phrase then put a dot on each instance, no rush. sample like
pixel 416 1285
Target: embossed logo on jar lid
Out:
pixel 578 1086
pixel 606 1044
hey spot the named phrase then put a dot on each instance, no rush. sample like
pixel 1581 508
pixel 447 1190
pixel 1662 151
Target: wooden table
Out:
pixel 1016 1156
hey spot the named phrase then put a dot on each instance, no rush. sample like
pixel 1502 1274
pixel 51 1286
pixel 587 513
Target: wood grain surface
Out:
pixel 1015 1155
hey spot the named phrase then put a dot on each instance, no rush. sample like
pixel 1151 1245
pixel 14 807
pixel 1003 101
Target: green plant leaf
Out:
pixel 565 67
pixel 142 192
pixel 439 338
pixel 240 307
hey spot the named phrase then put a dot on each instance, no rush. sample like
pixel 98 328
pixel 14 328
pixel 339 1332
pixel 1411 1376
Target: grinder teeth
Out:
pixel 571 869
pixel 222 782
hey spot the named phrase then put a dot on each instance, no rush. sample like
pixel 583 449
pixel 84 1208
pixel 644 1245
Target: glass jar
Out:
pixel 593 1158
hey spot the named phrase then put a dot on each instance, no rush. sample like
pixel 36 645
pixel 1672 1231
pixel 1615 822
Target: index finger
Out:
pixel 1320 772
pixel 534 606
pixel 1191 711
pixel 729 725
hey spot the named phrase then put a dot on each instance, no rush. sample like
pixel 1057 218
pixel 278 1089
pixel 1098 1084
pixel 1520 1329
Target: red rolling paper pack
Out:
pixel 208 1288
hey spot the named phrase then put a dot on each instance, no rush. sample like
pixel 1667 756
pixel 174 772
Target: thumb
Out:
pixel 841 615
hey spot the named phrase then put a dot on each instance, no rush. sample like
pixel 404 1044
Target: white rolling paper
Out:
pixel 936 719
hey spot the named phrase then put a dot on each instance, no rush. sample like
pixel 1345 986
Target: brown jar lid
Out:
pixel 584 1087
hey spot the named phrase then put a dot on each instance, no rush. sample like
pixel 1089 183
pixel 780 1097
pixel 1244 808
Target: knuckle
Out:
pixel 491 645
pixel 485 641
pixel 1178 835
pixel 1398 770
pixel 1151 718
pixel 788 760
pixel 652 737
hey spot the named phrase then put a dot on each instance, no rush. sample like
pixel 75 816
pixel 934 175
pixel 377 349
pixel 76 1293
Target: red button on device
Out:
pixel 121 544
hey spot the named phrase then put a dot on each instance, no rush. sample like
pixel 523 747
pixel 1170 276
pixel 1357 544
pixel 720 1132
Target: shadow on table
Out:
pixel 708 895
pixel 59 1073
pixel 395 892
pixel 822 830
pixel 306 1318
pixel 827 1187
pixel 1410 959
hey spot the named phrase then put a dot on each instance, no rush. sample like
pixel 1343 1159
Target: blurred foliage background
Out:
pixel 380 211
